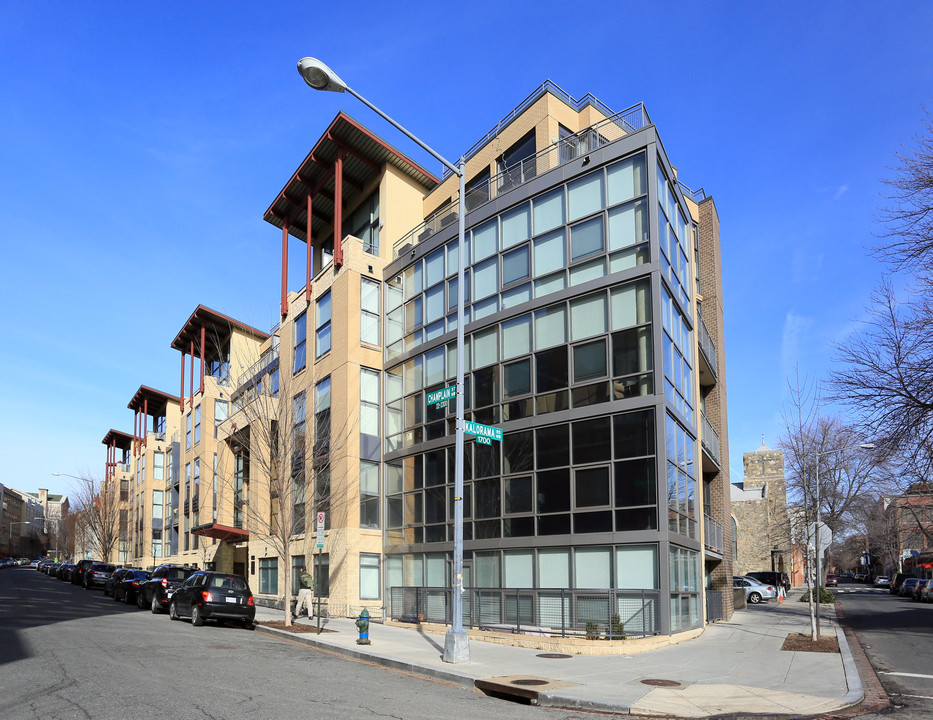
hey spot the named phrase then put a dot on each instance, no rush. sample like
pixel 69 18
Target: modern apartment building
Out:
pixel 594 342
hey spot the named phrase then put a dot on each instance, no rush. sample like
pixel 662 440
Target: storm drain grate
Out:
pixel 529 681
pixel 555 656
pixel 658 682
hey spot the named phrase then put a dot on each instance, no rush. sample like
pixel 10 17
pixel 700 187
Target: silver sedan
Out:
pixel 755 591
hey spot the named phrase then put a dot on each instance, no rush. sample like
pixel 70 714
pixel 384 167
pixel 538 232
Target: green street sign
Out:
pixel 440 397
pixel 484 433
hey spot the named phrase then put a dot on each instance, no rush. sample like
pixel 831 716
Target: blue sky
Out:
pixel 141 143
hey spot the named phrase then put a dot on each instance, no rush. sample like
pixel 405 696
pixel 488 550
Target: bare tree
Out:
pixel 97 515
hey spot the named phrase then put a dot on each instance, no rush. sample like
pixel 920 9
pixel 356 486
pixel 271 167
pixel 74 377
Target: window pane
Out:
pixel 631 305
pixel 550 284
pixel 591 487
pixel 587 271
pixel 593 567
pixel 554 568
pixel 519 569
pixel 369 295
pixel 631 351
pixel 434 304
pixel 628 225
pixel 588 316
pixel 634 434
pixel 516 378
pixel 434 268
pixel 516 266
pixel 486 278
pixel 637 567
pixel 551 370
pixel 516 296
pixel 592 442
pixel 589 361
pixel 635 483
pixel 369 385
pixel 518 455
pixel 550 327
pixel 548 211
pixel 585 195
pixel 323 310
pixel 486 240
pixel 553 491
pixel 516 226
pixel 484 347
pixel 586 238
pixel 627 179
pixel 516 337
pixel 553 447
pixel 550 253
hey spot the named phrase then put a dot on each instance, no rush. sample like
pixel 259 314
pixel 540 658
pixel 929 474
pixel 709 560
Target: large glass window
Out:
pixel 268 576
pixel 300 332
pixel 369 495
pixel 369 311
pixel 322 327
pixel 369 577
pixel 221 412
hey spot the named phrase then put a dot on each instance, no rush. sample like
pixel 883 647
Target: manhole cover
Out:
pixel 529 681
pixel 554 656
pixel 221 647
pixel 658 682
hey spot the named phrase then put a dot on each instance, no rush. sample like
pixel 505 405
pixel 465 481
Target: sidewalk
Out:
pixel 733 668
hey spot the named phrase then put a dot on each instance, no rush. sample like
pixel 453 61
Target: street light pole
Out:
pixel 456 642
pixel 818 591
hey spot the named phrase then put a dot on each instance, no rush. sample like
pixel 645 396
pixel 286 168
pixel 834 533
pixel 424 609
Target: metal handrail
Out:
pixel 712 534
pixel 563 151
pixel 709 438
pixel 707 346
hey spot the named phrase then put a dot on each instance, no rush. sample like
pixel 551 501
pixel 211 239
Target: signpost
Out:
pixel 484 433
pixel 440 397
pixel 321 518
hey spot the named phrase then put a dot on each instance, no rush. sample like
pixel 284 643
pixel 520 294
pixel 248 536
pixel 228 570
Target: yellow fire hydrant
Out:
pixel 362 623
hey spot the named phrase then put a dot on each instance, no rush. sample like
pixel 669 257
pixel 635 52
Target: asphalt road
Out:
pixel 66 652
pixel 897 636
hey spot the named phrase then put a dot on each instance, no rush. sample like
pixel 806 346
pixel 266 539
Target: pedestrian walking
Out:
pixel 305 592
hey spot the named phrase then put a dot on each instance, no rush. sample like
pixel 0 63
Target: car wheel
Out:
pixel 156 605
pixel 173 610
pixel 126 598
pixel 115 598
pixel 249 625
pixel 196 619
pixel 754 598
pixel 140 601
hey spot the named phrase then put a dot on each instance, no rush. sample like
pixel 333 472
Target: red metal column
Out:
pixel 181 392
pixel 338 211
pixel 285 268
pixel 191 379
pixel 145 424
pixel 135 432
pixel 308 254
pixel 203 332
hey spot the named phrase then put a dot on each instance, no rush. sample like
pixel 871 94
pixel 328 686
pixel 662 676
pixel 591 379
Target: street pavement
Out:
pixel 734 668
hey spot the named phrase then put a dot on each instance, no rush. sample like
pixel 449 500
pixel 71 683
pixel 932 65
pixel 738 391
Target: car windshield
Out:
pixel 175 574
pixel 228 582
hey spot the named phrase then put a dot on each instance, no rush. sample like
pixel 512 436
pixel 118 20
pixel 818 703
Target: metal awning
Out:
pixel 224 533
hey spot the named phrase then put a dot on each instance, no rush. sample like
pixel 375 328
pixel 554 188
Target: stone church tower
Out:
pixel 759 510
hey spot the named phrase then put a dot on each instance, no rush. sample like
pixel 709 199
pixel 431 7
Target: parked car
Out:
pixel 831 580
pixel 97 574
pixel 926 594
pixel 157 591
pixel 114 578
pixel 771 578
pixel 127 588
pixel 755 591
pixel 918 588
pixel 6 563
pixel 882 581
pixel 64 571
pixel 907 589
pixel 52 569
pixel 214 595
pixel 81 567
pixel 896 583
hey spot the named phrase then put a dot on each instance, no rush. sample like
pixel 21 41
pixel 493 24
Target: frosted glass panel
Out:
pixel 484 348
pixel 637 567
pixel 627 179
pixel 516 296
pixel 628 225
pixel 550 284
pixel 516 337
pixel 436 567
pixel 593 568
pixel 554 568
pixel 548 211
pixel 550 253
pixel 630 304
pixel 519 569
pixel 585 195
pixel 588 316
pixel 434 268
pixel 587 271
pixel 516 226
pixel 485 308
pixel 550 327
pixel 486 240
pixel 434 304
pixel 586 238
pixel 486 278
pixel 434 366
pixel 486 569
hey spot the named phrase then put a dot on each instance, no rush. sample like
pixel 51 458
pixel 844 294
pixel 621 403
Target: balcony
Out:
pixel 553 156
pixel 708 365
pixel 712 535
pixel 709 441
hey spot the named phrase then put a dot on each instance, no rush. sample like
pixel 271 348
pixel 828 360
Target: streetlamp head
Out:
pixel 867 446
pixel 319 76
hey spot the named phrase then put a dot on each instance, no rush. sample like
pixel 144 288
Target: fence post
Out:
pixel 610 613
pixel 563 614
pixel 518 612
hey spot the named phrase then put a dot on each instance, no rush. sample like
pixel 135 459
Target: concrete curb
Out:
pixel 369 658
pixel 856 691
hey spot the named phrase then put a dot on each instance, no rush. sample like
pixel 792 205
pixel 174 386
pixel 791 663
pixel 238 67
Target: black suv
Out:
pixel 80 570
pixel 778 579
pixel 157 591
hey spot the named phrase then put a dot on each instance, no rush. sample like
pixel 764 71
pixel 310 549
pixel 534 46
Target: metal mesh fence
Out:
pixel 593 613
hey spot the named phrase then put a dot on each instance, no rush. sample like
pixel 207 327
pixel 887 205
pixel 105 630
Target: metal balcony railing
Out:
pixel 555 155
pixel 707 347
pixel 604 613
pixel 712 534
pixel 709 438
